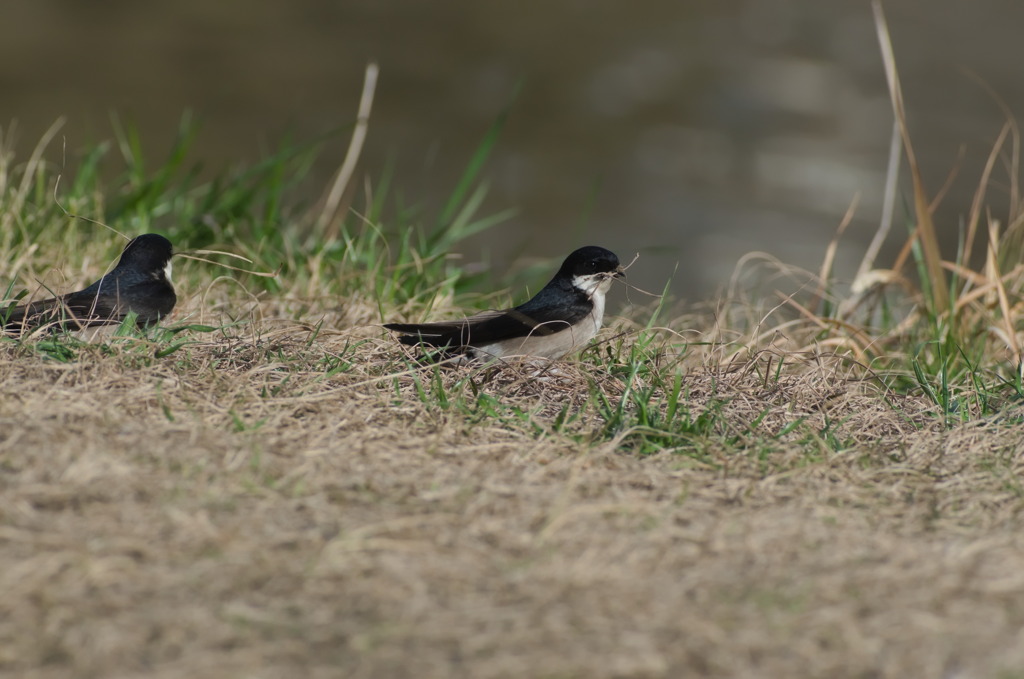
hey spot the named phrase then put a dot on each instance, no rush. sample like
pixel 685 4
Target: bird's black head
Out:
pixel 591 260
pixel 148 252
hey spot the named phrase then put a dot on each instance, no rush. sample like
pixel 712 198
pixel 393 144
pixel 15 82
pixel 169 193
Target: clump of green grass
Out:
pixel 379 257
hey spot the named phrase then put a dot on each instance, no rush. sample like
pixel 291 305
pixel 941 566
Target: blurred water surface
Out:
pixel 688 132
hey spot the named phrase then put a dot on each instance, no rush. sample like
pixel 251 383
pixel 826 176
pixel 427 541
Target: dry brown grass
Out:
pixel 233 510
pixel 180 518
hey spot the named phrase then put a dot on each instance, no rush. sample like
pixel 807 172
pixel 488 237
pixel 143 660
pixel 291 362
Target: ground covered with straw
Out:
pixel 818 483
pixel 232 510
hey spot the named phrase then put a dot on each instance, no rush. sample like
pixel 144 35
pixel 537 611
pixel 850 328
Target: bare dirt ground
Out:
pixel 229 511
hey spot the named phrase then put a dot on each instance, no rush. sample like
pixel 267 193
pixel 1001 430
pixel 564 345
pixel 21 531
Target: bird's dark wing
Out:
pixel 150 298
pixel 456 333
pixel 489 326
pixel 98 304
pixel 14 317
pixel 73 311
pixel 92 309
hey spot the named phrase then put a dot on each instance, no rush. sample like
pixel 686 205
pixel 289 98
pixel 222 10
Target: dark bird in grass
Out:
pixel 139 284
pixel 563 316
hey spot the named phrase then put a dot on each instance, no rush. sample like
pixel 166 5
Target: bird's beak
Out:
pixel 619 273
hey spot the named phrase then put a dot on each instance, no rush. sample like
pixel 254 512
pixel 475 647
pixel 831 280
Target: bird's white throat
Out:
pixel 594 286
pixel 167 271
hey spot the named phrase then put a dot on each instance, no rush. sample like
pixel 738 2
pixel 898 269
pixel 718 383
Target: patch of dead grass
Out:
pixel 231 511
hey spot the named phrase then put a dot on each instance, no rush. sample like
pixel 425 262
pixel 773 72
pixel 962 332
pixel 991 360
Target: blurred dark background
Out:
pixel 690 132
